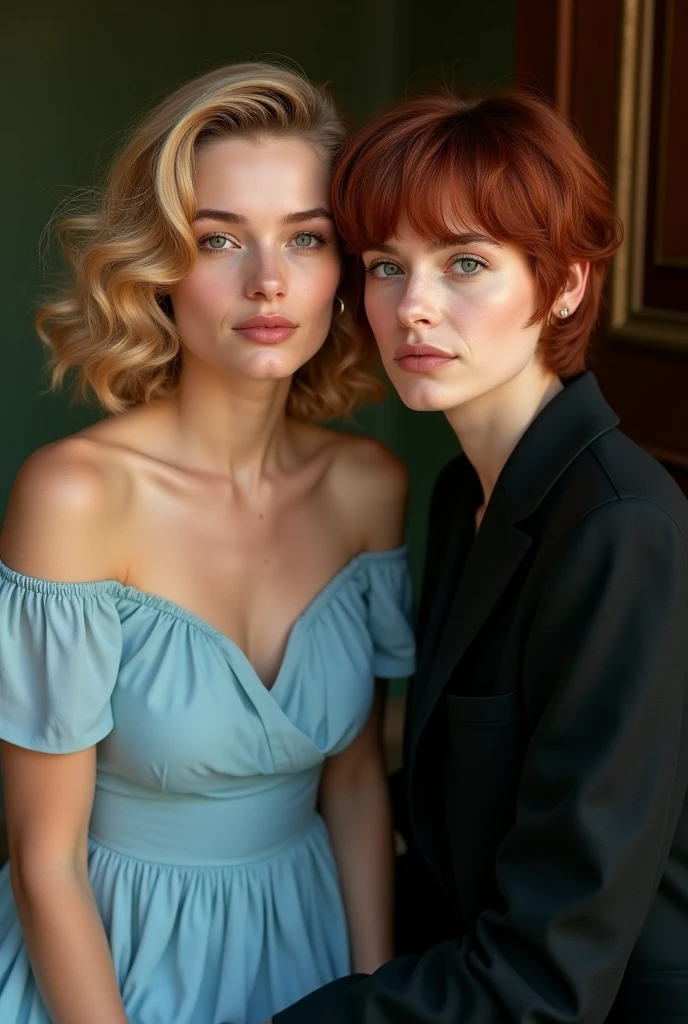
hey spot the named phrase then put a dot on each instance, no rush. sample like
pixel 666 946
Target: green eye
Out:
pixel 216 241
pixel 304 240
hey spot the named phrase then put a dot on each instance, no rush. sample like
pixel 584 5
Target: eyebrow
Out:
pixel 470 238
pixel 316 213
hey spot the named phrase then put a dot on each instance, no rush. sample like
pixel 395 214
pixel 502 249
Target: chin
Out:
pixel 269 365
pixel 424 395
pixel 276 362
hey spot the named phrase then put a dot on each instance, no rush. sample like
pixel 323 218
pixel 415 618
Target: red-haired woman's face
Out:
pixel 450 316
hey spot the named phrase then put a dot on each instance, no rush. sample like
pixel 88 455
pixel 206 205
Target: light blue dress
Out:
pixel 211 867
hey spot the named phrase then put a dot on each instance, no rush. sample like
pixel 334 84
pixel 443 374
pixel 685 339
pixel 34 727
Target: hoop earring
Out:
pixel 342 307
pixel 165 304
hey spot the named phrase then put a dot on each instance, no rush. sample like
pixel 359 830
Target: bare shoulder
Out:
pixel 62 516
pixel 368 464
pixel 370 485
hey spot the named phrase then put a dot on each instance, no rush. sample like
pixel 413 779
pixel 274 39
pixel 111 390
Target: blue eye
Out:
pixel 468 266
pixel 384 269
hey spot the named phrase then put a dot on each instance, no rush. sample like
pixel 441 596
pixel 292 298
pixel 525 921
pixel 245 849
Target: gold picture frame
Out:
pixel 631 321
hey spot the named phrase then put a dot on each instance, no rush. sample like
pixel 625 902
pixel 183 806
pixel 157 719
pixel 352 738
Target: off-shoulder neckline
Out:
pixel 167 606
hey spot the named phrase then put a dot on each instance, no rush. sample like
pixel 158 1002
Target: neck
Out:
pixel 489 427
pixel 227 424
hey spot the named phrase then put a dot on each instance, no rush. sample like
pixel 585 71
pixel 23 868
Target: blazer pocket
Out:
pixel 485 748
pixel 497 709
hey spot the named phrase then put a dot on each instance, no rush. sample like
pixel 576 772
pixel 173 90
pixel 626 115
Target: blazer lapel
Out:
pixel 568 424
pixel 493 559
pixel 461 532
pixel 440 588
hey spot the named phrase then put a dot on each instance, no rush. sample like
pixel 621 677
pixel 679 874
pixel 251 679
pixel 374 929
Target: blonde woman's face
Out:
pixel 259 300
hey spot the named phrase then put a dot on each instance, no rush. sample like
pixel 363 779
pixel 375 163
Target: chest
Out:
pixel 247 568
pixel 191 714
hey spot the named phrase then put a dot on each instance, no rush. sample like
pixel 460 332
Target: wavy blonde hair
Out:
pixel 110 326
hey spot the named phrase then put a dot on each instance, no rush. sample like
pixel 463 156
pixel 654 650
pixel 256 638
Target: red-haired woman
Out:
pixel 547 735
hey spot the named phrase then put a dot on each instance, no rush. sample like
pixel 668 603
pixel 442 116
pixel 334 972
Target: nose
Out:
pixel 416 306
pixel 266 276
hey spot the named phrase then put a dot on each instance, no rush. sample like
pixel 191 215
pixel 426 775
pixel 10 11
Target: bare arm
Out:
pixel 354 801
pixel 58 527
pixel 371 491
pixel 48 801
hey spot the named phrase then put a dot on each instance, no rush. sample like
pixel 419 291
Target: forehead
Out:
pixel 448 224
pixel 275 172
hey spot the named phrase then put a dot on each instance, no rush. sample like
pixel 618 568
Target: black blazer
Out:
pixel 547 741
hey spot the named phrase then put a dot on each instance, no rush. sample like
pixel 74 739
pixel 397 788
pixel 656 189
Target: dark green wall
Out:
pixel 75 74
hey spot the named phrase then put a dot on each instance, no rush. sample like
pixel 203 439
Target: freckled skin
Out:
pixel 472 301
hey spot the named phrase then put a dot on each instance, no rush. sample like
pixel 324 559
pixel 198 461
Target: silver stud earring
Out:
pixel 563 313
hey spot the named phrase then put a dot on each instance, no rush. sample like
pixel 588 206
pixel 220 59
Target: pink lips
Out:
pixel 266 330
pixel 421 358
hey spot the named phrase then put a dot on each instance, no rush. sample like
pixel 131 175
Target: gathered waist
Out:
pixel 205 831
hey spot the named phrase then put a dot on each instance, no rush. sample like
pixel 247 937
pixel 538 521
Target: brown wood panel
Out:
pixel 535 57
pixel 665 286
pixel 671 241
pixel 648 386
pixel 595 65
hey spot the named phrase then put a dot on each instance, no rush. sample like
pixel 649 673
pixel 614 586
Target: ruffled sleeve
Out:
pixel 389 614
pixel 60 649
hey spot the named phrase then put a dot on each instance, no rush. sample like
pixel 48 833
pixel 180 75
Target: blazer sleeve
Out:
pixel 604 780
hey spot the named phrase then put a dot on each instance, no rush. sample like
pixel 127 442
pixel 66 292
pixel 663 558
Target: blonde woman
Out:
pixel 198 592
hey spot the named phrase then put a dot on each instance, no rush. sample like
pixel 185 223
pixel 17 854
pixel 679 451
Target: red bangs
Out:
pixel 506 165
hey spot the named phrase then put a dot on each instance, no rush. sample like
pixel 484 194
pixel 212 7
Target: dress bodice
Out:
pixel 205 847
pixel 176 707
pixel 173 703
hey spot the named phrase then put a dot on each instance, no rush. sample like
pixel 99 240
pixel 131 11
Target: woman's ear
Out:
pixel 568 301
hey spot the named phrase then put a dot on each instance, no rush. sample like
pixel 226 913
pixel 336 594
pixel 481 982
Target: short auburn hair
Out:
pixel 110 325
pixel 506 164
